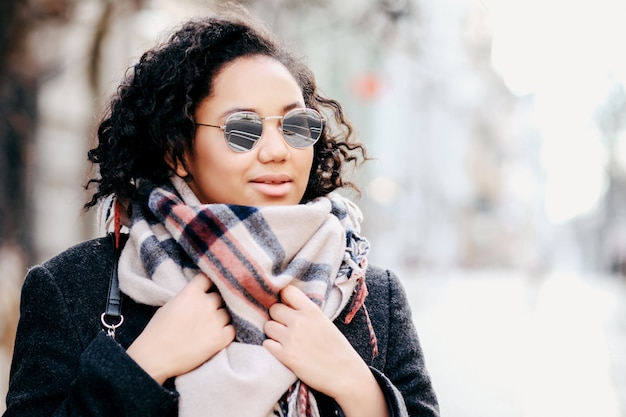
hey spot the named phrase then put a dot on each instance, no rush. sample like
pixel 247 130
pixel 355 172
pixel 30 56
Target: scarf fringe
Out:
pixel 358 302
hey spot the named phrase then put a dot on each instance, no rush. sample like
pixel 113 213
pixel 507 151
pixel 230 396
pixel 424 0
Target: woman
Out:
pixel 245 280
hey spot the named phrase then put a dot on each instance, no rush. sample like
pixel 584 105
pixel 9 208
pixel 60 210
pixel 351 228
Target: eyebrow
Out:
pixel 285 109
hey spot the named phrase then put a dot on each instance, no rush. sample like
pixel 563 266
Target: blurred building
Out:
pixel 455 179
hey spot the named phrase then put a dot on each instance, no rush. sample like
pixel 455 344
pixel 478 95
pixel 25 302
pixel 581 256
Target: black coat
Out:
pixel 65 365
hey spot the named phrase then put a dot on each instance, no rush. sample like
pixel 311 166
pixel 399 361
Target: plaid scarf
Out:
pixel 250 253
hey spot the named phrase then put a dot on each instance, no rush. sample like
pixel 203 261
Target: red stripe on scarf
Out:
pixel 248 281
pixel 245 278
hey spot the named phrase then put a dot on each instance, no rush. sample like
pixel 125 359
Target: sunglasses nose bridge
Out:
pixel 279 118
pixel 272 117
pixel 278 126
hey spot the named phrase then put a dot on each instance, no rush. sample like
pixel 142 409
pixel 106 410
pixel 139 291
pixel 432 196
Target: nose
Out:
pixel 272 145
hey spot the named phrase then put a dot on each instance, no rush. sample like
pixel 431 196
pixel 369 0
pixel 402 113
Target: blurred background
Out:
pixel 497 190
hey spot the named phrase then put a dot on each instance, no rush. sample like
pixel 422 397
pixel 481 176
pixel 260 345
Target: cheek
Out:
pixel 212 156
pixel 310 161
pixel 223 167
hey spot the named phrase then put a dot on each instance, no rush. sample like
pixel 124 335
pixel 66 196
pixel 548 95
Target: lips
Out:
pixel 273 186
pixel 272 179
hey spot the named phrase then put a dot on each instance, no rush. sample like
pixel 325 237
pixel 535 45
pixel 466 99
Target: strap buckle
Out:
pixel 111 327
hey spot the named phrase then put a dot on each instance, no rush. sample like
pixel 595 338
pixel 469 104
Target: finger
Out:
pixel 201 282
pixel 222 317
pixel 228 332
pixel 273 347
pixel 215 299
pixel 294 297
pixel 274 330
pixel 279 312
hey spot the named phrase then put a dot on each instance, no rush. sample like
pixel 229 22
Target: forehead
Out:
pixel 259 83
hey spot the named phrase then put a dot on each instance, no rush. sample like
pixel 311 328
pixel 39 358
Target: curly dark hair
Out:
pixel 151 116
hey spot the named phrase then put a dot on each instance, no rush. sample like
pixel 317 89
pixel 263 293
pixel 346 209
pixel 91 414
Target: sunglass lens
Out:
pixel 302 127
pixel 243 130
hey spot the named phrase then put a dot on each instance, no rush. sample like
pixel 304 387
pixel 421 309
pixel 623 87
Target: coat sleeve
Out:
pixel 55 373
pixel 403 375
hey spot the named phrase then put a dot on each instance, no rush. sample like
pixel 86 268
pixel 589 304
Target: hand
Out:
pixel 307 342
pixel 185 332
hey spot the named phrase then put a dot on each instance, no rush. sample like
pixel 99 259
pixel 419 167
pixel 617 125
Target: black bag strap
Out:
pixel 112 317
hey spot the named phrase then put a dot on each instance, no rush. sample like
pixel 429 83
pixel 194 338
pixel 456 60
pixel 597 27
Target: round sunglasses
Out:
pixel 300 128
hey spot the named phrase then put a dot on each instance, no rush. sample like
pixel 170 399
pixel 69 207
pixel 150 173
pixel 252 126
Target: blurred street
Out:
pixel 503 344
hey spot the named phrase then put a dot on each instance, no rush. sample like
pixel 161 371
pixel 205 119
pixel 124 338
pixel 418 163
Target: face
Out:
pixel 273 172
